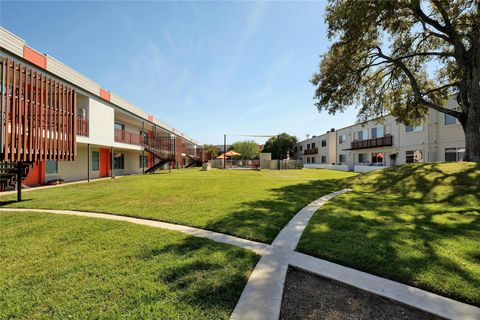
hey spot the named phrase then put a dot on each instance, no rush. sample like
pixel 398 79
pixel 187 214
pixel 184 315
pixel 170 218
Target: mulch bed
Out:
pixel 308 296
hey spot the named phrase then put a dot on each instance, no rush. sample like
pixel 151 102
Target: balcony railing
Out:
pixel 310 151
pixel 82 126
pixel 128 137
pixel 161 146
pixel 385 141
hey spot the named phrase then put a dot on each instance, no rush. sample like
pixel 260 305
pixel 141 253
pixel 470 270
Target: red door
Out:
pixel 104 162
pixel 36 174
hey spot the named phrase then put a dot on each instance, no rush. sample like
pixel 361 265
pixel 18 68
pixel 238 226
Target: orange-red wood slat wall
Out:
pixel 37 108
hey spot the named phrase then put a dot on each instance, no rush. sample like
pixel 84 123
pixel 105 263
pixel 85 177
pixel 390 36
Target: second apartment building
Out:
pixel 385 142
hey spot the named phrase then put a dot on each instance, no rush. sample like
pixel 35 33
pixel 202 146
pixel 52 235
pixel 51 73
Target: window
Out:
pixel 118 161
pixel 362 134
pixel 301 148
pixel 342 158
pixel 324 143
pixel 308 146
pixel 414 128
pixel 143 162
pixel 308 159
pixel 409 158
pixel 413 156
pixel 313 145
pixel 450 120
pixel 377 132
pixel 51 167
pixel 377 157
pixel 342 138
pixel 313 159
pixel 454 154
pixel 362 158
pixel 119 126
pixel 144 135
pixel 324 159
pixel 95 160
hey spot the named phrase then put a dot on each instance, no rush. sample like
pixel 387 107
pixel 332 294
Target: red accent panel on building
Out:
pixel 179 150
pixel 105 94
pixel 36 174
pixel 104 162
pixel 34 57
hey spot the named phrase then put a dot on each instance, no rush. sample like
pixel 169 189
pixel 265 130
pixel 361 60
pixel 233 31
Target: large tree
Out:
pixel 280 146
pixel 247 149
pixel 404 57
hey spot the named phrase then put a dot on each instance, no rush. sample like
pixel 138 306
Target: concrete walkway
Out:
pixel 262 296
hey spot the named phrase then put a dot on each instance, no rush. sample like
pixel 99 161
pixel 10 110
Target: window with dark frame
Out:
pixel 454 154
pixel 413 128
pixel 51 167
pixel 409 156
pixel 378 157
pixel 362 158
pixel 324 143
pixel 143 162
pixel 95 161
pixel 118 161
pixel 449 119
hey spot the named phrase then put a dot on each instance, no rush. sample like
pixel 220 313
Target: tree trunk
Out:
pixel 471 128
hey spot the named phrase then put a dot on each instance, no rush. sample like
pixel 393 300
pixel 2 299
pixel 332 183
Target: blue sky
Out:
pixel 206 68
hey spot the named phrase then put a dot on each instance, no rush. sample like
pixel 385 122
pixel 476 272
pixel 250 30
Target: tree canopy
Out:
pixel 280 146
pixel 211 151
pixel 247 149
pixel 403 58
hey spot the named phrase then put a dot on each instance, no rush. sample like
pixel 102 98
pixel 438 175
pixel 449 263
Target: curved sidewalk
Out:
pixel 262 296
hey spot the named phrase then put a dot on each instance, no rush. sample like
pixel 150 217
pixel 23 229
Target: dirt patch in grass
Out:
pixel 307 296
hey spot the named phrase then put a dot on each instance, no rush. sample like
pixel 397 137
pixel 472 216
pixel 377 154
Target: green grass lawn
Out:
pixel 418 224
pixel 249 204
pixel 67 267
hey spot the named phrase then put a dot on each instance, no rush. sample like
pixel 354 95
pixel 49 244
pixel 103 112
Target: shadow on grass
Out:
pixel 417 181
pixel 262 220
pixel 209 285
pixel 7 202
pixel 418 225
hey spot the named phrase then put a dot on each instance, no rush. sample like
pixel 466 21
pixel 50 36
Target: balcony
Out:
pixel 82 126
pixel 310 151
pixel 385 141
pixel 128 137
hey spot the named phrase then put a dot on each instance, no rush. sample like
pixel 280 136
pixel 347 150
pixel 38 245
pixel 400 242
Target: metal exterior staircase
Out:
pixel 9 172
pixel 164 154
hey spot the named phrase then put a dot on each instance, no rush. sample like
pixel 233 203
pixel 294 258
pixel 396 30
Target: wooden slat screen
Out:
pixel 40 116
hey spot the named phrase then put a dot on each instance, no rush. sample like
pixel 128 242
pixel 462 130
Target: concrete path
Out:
pixel 262 296
pixel 260 248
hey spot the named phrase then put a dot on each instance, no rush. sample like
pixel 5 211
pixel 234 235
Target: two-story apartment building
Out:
pixel 385 142
pixel 319 149
pixel 58 124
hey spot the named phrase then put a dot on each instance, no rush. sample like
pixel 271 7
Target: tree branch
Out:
pixel 416 89
pixel 453 84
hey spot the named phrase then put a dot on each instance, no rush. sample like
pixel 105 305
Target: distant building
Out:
pixel 385 142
